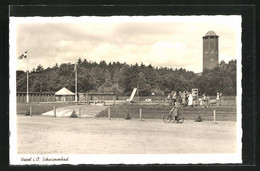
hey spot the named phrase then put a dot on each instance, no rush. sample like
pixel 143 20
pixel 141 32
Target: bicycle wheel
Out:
pixel 167 118
pixel 180 119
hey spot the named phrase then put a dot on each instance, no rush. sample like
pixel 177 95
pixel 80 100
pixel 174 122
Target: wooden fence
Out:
pixel 86 97
pixel 49 97
pixel 35 97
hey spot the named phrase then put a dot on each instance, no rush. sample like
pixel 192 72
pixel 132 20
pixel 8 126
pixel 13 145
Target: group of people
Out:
pixel 184 98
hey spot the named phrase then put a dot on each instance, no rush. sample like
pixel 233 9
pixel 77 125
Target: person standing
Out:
pixel 208 100
pixel 174 97
pixel 169 98
pixel 184 98
pixel 205 104
pixel 179 99
pixel 190 99
pixel 217 98
pixel 220 97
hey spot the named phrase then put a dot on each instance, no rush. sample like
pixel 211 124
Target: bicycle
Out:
pixel 167 118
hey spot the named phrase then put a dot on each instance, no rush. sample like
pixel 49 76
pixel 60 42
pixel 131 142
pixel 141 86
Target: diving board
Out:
pixel 133 94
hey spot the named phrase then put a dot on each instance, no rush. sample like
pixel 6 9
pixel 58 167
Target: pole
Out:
pixel 76 84
pixel 140 114
pixel 114 100
pixel 27 91
pixel 79 113
pixel 31 111
pixel 109 113
pixel 54 110
pixel 27 76
pixel 214 116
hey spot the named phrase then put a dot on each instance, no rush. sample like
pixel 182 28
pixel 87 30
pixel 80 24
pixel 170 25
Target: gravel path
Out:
pixel 49 135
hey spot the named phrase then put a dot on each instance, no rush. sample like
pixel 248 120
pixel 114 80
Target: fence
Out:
pixel 49 97
pixel 143 98
pixel 227 113
pixel 35 97
pixel 87 97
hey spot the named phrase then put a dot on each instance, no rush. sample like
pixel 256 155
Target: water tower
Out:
pixel 210 50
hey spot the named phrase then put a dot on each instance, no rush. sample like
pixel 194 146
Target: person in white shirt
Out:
pixel 190 99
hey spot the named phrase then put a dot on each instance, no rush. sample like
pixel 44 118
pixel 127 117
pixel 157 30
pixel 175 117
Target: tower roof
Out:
pixel 211 33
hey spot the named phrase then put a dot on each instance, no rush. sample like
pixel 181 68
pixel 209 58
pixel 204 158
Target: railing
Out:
pixel 49 97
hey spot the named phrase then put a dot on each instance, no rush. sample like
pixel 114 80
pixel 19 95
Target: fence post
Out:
pixel 140 113
pixel 109 113
pixel 31 111
pixel 214 115
pixel 54 110
pixel 114 100
pixel 79 113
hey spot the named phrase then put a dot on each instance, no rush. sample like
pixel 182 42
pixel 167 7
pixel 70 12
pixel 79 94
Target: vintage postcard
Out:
pixel 125 90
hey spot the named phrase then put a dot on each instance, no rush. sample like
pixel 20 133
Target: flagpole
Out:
pixel 76 84
pixel 27 71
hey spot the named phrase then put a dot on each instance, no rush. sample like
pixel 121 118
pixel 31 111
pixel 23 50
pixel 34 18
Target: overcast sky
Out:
pixel 166 41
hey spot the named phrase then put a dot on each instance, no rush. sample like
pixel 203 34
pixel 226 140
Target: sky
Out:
pixel 163 41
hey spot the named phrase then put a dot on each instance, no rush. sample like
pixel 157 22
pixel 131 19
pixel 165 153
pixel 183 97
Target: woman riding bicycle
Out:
pixel 173 115
pixel 175 111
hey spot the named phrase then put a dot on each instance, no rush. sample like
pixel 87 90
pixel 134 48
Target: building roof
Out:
pixel 64 91
pixel 211 33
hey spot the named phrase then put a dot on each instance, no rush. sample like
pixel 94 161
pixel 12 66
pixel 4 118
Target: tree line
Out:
pixel 121 78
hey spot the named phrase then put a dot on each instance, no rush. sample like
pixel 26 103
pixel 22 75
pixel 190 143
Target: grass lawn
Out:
pixel 223 113
pixel 38 108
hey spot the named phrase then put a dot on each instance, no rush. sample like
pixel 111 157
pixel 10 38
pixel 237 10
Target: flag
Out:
pixel 24 55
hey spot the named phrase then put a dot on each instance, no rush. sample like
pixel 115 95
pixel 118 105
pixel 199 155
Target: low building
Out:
pixel 64 95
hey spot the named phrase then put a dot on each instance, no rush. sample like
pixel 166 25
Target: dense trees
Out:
pixel 121 78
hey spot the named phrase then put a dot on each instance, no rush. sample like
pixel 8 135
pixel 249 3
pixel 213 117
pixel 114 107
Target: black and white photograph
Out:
pixel 160 89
